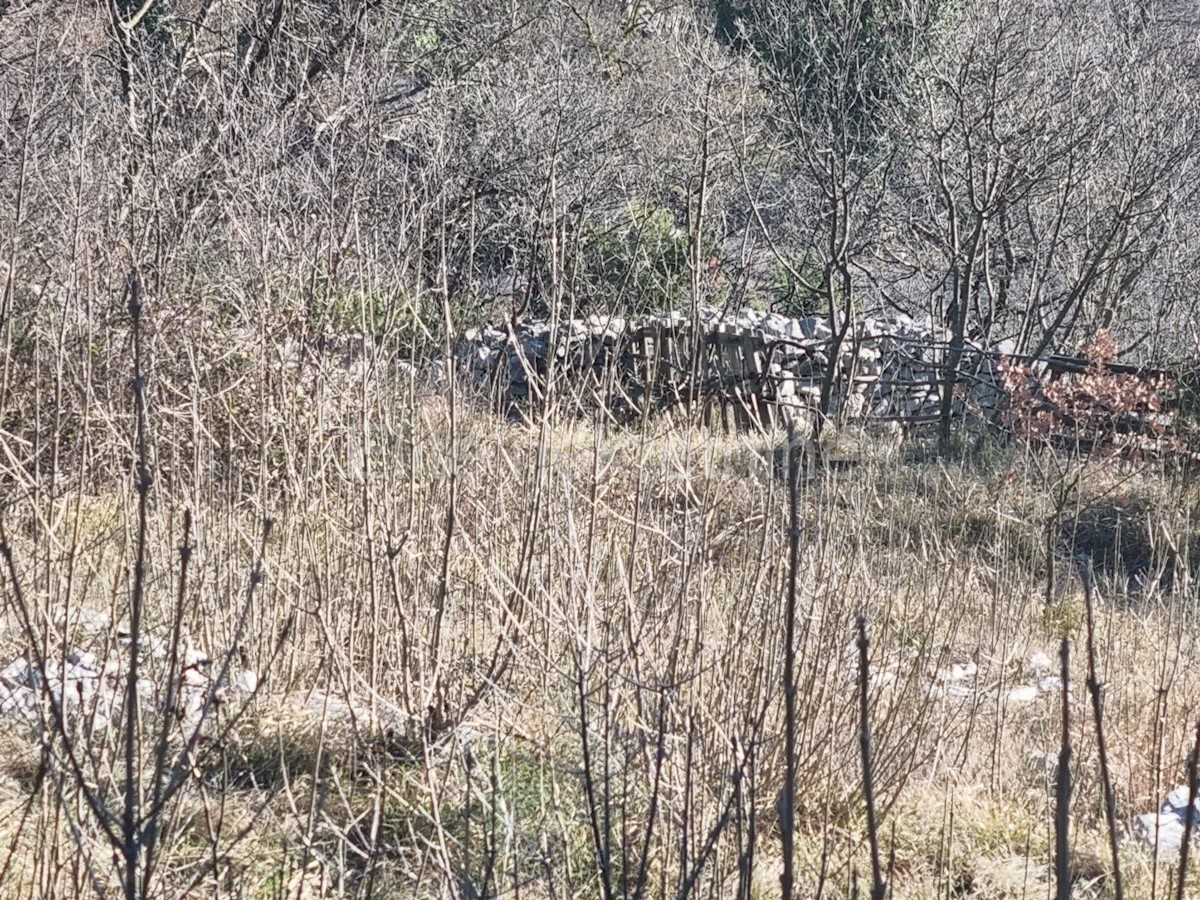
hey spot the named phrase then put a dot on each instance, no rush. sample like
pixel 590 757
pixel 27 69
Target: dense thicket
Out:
pixel 558 657
pixel 1016 169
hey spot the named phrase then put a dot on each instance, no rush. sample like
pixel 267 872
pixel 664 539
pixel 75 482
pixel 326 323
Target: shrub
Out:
pixel 644 258
pixel 1096 410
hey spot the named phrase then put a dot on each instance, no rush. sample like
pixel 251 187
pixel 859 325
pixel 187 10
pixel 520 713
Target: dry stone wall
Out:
pixel 767 367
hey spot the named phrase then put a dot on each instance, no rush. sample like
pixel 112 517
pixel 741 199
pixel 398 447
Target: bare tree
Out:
pixel 837 72
pixel 1043 176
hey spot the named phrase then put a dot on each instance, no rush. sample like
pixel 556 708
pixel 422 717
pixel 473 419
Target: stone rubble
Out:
pixel 961 679
pixel 958 679
pixel 1041 679
pixel 1164 829
pixel 91 691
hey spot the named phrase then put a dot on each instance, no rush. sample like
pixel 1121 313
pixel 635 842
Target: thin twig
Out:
pixel 1062 811
pixel 173 683
pixel 878 885
pixel 1189 818
pixel 1093 685
pixel 787 800
pixel 131 832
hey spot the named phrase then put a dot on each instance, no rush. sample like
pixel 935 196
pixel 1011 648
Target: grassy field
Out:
pixel 287 610
pixel 547 660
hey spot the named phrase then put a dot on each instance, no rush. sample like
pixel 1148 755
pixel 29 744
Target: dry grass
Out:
pixel 603 636
pixel 541 659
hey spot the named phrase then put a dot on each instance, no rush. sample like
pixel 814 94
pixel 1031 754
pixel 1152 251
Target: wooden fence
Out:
pixel 744 378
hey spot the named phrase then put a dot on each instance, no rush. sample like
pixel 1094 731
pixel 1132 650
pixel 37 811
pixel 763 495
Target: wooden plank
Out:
pixel 754 355
pixel 648 348
pixel 668 358
pixel 740 369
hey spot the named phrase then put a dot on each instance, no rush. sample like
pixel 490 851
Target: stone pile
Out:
pixel 1163 830
pixel 889 366
pixel 90 690
pixel 962 677
pixel 1040 680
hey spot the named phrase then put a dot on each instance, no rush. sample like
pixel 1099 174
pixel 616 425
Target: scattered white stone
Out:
pixel 1025 693
pixel 91 693
pixel 1176 802
pixel 963 670
pixel 890 355
pixel 83 658
pixel 1050 684
pixel 958 678
pixel 245 681
pixel 1155 829
pixel 1039 664
pixel 1166 826
pixel 958 671
pixel 16 673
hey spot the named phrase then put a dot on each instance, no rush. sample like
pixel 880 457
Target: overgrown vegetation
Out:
pixel 553 658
